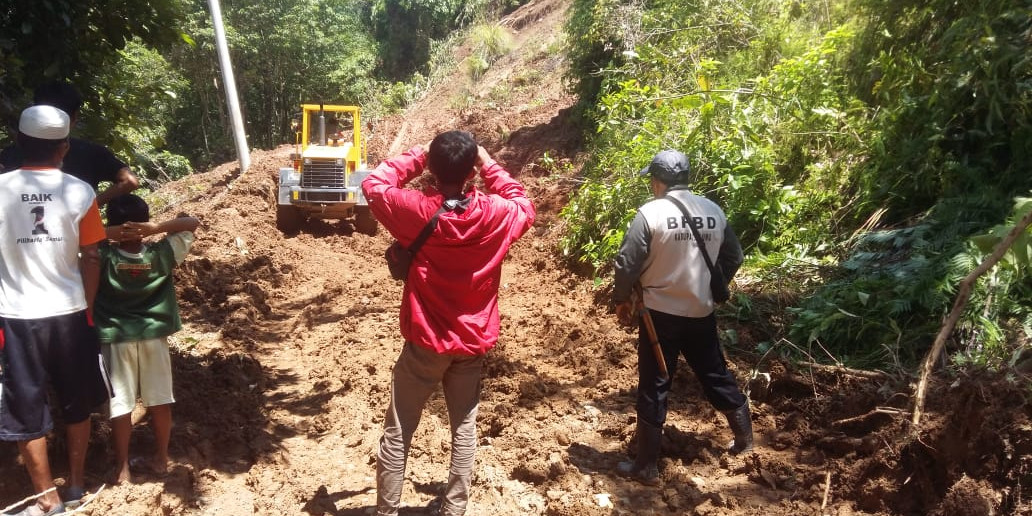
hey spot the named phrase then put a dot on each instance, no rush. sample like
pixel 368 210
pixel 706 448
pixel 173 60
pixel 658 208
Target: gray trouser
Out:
pixel 416 375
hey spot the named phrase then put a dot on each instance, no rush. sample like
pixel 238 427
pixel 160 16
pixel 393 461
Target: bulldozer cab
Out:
pixel 328 125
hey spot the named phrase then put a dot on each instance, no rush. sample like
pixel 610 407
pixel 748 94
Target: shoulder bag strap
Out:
pixel 695 232
pixel 427 230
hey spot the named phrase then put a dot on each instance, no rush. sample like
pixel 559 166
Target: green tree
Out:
pixel 143 94
pixel 67 39
pixel 405 30
pixel 284 53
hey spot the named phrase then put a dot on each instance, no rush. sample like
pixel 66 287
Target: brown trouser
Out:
pixel 416 375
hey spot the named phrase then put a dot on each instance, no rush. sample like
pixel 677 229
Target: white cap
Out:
pixel 44 122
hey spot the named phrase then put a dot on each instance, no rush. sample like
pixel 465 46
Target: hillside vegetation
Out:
pixel 150 73
pixel 869 153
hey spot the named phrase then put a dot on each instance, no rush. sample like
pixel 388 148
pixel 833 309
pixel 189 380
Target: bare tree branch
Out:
pixel 958 308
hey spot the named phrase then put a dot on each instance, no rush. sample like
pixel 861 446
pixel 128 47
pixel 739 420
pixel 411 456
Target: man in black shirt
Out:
pixel 85 160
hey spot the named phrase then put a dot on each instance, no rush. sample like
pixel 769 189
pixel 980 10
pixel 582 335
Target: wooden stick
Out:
pixel 877 410
pixel 638 301
pixel 958 308
pixel 26 499
pixel 657 350
pixel 827 490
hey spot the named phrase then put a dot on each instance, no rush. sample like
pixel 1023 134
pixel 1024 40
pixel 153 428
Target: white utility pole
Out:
pixel 227 78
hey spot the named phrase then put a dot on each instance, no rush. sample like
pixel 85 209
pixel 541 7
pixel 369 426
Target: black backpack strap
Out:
pixel 695 232
pixel 456 205
pixel 427 230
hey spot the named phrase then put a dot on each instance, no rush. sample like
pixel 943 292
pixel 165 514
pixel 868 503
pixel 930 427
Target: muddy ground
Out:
pixel 283 368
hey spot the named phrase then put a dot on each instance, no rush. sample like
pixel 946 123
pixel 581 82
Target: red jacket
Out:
pixel 450 302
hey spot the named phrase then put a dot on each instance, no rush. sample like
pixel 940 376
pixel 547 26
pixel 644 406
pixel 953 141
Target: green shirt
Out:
pixel 136 299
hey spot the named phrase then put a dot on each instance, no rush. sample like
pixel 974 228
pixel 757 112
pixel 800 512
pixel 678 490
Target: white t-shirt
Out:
pixel 40 212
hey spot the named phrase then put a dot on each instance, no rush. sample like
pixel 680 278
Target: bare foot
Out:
pixel 120 474
pixel 153 466
pixel 159 466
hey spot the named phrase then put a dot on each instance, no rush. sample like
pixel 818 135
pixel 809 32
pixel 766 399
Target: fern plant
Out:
pixel 998 317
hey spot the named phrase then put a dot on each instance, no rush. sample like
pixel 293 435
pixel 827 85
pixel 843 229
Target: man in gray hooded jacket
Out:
pixel 660 252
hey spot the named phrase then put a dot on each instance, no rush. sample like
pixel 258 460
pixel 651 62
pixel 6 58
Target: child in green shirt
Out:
pixel 135 312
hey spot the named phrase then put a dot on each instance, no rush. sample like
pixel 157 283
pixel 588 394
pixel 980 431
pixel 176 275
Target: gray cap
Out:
pixel 44 122
pixel 669 166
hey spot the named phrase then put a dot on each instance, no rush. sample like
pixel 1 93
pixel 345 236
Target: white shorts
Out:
pixel 139 369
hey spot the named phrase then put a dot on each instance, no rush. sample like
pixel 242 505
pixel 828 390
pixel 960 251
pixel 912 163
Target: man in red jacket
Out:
pixel 449 308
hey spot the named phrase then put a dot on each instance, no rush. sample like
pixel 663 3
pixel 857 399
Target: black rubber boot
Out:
pixel 740 422
pixel 644 467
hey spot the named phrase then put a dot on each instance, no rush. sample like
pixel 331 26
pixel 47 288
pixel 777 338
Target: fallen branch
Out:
pixel 876 375
pixel 963 293
pixel 862 417
pixel 26 499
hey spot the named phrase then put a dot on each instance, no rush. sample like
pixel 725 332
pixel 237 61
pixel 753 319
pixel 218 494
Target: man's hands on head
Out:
pixel 483 157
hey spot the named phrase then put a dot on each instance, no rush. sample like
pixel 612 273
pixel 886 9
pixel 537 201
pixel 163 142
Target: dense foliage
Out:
pixel 857 146
pixel 143 93
pixel 79 42
pixel 151 76
pixel 406 30
pixel 284 53
pixel 868 152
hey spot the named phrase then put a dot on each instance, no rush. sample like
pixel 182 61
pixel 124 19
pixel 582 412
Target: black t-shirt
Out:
pixel 85 160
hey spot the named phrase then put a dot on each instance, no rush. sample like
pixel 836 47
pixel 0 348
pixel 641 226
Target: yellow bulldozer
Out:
pixel 326 172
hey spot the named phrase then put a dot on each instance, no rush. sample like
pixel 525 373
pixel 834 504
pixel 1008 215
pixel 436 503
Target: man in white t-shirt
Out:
pixel 49 269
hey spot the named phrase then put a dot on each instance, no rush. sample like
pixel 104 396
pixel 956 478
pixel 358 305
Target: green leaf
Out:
pixel 985 243
pixel 848 313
